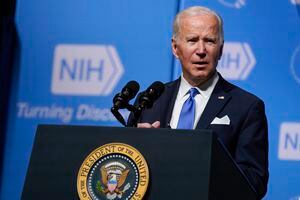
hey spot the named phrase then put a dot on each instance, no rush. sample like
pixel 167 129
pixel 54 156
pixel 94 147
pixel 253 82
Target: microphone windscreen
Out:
pixel 156 89
pixel 132 87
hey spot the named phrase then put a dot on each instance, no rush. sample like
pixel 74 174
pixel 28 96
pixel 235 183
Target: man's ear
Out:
pixel 174 48
pixel 221 51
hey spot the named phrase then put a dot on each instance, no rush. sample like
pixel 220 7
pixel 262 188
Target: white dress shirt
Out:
pixel 201 99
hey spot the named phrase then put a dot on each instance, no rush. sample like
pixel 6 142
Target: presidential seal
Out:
pixel 113 171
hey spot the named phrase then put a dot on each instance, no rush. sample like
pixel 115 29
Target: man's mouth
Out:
pixel 200 63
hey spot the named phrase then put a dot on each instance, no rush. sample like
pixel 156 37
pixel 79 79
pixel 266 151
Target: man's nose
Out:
pixel 201 50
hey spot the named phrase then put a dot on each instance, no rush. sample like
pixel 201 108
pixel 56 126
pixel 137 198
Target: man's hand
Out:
pixel 148 125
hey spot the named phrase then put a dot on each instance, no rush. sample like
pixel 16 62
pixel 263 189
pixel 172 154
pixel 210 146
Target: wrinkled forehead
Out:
pixel 205 23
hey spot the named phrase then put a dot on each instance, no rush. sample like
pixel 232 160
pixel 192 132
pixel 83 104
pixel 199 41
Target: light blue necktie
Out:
pixel 187 114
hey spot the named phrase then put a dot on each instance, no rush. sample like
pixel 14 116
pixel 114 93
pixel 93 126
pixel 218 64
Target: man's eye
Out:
pixel 192 40
pixel 212 41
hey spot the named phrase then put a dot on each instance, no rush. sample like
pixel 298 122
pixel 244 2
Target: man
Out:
pixel 202 99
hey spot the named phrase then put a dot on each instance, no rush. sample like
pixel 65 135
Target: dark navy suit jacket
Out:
pixel 246 137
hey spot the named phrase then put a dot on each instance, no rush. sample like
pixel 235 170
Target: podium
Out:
pixel 183 164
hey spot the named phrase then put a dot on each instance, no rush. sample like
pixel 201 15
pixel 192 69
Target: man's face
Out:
pixel 198 47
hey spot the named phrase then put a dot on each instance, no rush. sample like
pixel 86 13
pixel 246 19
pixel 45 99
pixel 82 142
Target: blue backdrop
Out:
pixel 73 56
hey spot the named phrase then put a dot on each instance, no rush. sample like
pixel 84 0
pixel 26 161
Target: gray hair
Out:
pixel 194 11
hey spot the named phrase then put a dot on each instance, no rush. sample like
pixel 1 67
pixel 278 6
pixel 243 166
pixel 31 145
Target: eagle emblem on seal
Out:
pixel 113 177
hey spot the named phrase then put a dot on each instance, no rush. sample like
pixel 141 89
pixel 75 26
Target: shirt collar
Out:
pixel 205 89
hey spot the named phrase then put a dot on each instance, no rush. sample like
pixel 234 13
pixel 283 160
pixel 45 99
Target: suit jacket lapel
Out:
pixel 215 104
pixel 168 101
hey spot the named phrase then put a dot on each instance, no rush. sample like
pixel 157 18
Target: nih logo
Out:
pixel 237 61
pixel 289 141
pixel 85 69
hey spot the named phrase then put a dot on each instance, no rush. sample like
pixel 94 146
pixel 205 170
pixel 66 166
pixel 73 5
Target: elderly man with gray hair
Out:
pixel 201 99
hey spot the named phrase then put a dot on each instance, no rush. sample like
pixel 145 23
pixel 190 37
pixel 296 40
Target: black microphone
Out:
pixel 121 100
pixel 146 100
pixel 152 93
pixel 128 92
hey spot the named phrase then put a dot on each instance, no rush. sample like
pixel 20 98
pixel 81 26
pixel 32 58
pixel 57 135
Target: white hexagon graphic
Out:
pixel 237 61
pixel 85 69
pixel 237 4
pixel 295 2
pixel 295 64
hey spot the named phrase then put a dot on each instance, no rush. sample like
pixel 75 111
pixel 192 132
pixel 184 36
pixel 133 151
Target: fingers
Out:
pixel 156 124
pixel 148 125
pixel 144 125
